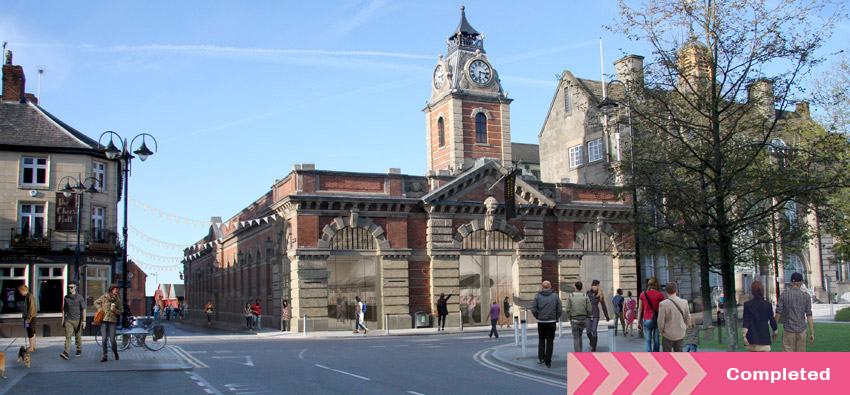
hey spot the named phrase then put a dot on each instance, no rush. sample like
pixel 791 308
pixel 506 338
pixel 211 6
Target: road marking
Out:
pixel 481 357
pixel 301 354
pixel 208 388
pixel 190 359
pixel 196 352
pixel 248 360
pixel 414 393
pixel 343 372
pixel 223 351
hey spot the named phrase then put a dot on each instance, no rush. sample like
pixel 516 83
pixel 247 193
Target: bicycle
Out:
pixel 150 336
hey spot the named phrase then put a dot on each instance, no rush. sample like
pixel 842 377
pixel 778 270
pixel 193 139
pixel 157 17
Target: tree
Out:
pixel 718 155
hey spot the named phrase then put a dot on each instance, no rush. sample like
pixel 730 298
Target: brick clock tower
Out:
pixel 468 116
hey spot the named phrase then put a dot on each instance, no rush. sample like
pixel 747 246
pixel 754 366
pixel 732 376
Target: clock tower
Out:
pixel 468 115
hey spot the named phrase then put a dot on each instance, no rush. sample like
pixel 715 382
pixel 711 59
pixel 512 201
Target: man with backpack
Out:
pixel 578 311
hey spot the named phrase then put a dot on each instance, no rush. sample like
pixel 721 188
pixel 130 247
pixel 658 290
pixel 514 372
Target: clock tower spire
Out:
pixel 468 115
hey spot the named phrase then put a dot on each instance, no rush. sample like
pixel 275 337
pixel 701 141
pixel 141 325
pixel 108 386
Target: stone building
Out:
pixel 38 224
pixel 320 238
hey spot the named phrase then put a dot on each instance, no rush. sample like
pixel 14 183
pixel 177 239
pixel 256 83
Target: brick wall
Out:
pixel 346 183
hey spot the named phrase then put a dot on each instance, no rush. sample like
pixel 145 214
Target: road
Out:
pixel 249 364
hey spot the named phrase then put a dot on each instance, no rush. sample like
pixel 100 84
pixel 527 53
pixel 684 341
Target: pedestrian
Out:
pixel 493 316
pixel 249 316
pixel 509 310
pixel 257 309
pixel 546 308
pixel 630 315
pixel 73 319
pixel 442 311
pixel 185 309
pixel 110 304
pixel 473 301
pixel 209 310
pixel 692 335
pixel 341 305
pixel 648 315
pixel 156 310
pixel 359 315
pixel 618 303
pixel 29 315
pixel 673 320
pixel 758 314
pixel 284 315
pixel 796 308
pixel 596 299
pixel 168 313
pixel 578 309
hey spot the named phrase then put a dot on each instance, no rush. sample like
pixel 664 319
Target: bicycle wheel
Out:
pixel 154 345
pixel 138 340
pixel 98 336
pixel 123 341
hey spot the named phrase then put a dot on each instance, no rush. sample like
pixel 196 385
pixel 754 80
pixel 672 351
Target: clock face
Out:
pixel 438 76
pixel 479 71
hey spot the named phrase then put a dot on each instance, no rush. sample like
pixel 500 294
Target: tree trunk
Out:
pixel 727 272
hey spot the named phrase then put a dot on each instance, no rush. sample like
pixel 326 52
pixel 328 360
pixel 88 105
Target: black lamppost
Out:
pixel 125 158
pixel 79 189
pixel 608 106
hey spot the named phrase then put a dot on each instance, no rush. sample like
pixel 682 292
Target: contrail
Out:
pixel 235 50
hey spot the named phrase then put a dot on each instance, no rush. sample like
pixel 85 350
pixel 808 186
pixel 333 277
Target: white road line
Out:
pixel 222 351
pixel 301 354
pixel 414 393
pixel 208 388
pixel 343 372
pixel 481 357
pixel 190 359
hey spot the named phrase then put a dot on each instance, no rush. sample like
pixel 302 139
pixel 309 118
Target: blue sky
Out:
pixel 237 92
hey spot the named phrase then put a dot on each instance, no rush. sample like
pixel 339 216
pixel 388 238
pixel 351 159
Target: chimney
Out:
pixel 803 109
pixel 629 70
pixel 760 95
pixel 13 80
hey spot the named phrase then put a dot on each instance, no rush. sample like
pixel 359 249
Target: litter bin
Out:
pixel 422 319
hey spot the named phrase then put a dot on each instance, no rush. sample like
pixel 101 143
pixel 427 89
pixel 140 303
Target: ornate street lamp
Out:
pixel 126 159
pixel 79 189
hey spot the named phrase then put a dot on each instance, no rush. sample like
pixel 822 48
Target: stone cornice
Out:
pixel 396 253
pixel 565 253
pixel 535 253
pixel 448 252
pixel 309 253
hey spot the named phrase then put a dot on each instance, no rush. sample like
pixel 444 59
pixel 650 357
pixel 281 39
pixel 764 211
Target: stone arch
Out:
pixel 354 221
pixel 481 110
pixel 478 224
pixel 591 237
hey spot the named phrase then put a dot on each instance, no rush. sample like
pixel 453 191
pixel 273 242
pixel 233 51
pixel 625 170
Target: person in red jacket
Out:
pixel 647 306
pixel 256 309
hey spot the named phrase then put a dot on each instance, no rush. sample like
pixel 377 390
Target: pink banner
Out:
pixel 707 373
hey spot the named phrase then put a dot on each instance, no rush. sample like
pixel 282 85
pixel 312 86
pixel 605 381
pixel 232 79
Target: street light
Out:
pixel 608 106
pixel 79 189
pixel 126 159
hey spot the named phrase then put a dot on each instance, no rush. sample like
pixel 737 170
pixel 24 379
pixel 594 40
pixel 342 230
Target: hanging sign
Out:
pixel 66 213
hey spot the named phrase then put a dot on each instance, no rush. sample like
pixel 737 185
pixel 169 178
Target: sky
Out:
pixel 236 93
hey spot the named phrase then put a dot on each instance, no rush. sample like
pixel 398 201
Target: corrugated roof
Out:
pixel 26 124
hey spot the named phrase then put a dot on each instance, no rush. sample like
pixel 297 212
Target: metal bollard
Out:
pixel 524 333
pixel 305 325
pixel 387 323
pixel 560 325
pixel 612 343
pixel 516 330
pixel 460 314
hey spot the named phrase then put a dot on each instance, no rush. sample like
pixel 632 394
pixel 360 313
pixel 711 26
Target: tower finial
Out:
pixel 462 8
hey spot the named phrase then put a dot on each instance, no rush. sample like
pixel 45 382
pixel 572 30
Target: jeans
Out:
pixel 592 324
pixel 493 330
pixel 359 323
pixel 257 321
pixel 283 325
pixel 441 322
pixel 577 328
pixel 73 329
pixel 107 329
pixel 651 337
pixel 546 341
pixel 690 348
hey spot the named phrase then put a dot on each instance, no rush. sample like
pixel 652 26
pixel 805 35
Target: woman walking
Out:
pixel 284 316
pixel 110 304
pixel 758 314
pixel 257 316
pixel 249 316
pixel 358 313
pixel 442 311
pixel 630 313
pixel 209 310
pixel 647 307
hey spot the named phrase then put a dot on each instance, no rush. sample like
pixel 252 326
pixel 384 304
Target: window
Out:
pixel 442 127
pixel 97 220
pixel 97 280
pixel 481 128
pixel 791 215
pixel 49 288
pixel 32 220
pixel 594 150
pixel 575 156
pixel 34 171
pixel 10 278
pixel 99 170
pixel 793 265
pixel 568 105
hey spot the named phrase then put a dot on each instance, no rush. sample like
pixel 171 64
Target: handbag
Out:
pixel 98 317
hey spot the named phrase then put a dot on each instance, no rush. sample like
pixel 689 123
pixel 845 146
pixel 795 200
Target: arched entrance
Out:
pixel 597 262
pixel 352 272
pixel 486 266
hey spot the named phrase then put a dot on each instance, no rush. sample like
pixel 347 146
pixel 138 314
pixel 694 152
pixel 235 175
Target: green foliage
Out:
pixel 843 315
pixel 828 338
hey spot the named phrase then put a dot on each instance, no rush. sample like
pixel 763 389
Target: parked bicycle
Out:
pixel 142 332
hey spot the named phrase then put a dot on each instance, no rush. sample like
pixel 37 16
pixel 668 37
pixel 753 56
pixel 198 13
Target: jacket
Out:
pixel 758 314
pixel 594 299
pixel 546 306
pixel 442 308
pixel 30 308
pixel 578 306
pixel 103 303
pixel 673 318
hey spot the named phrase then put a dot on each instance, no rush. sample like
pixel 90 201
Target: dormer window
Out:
pixel 481 128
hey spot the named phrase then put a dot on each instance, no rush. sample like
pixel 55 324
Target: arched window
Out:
pixel 441 125
pixel 793 265
pixel 480 128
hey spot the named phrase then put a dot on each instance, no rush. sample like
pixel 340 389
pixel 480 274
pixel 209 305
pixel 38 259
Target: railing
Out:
pixel 30 238
pixel 101 238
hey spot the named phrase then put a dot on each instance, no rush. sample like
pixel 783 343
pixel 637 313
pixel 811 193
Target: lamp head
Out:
pixel 608 105
pixel 67 190
pixel 143 152
pixel 112 151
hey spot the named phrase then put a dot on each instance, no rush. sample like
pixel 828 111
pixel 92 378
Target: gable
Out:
pixel 471 186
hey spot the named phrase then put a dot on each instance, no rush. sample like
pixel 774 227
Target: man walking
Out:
pixel 578 309
pixel 673 320
pixel 493 316
pixel 28 314
pixel 796 307
pixel 546 308
pixel 618 311
pixel 596 298
pixel 73 319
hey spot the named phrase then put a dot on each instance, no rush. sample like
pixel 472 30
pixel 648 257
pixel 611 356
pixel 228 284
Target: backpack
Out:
pixel 363 309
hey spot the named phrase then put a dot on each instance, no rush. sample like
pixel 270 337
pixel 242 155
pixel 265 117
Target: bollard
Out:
pixel 524 333
pixel 516 330
pixel 305 325
pixel 387 323
pixel 560 325
pixel 612 339
pixel 460 314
